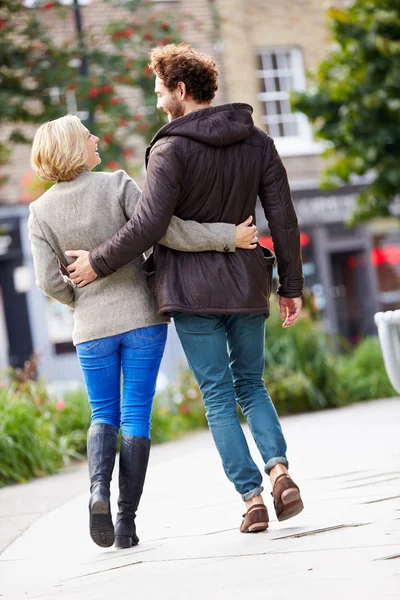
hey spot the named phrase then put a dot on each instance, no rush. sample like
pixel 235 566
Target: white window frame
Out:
pixel 303 143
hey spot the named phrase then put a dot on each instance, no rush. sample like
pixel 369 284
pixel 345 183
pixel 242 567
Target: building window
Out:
pixel 280 70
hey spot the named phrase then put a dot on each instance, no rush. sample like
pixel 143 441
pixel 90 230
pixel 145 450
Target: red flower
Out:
pixel 93 92
pixel 60 404
pixel 72 87
pixel 147 71
pixel 142 127
pixel 107 89
pixel 2 24
pixel 129 32
pixel 148 37
pixel 112 164
pixel 164 25
pixel 114 100
pixel 183 408
pixel 107 138
pixel 166 40
pixel 127 152
pixel 137 117
pixel 123 122
pixel 48 5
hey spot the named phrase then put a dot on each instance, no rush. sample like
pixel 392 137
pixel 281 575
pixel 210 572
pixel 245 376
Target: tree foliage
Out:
pixel 355 103
pixel 41 75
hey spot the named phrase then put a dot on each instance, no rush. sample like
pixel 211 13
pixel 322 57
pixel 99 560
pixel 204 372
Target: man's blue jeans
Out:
pixel 137 354
pixel 226 355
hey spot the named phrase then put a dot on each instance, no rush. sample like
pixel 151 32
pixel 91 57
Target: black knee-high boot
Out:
pixel 133 460
pixel 101 449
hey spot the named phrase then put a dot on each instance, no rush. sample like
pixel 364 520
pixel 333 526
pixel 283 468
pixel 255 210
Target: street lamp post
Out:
pixel 84 65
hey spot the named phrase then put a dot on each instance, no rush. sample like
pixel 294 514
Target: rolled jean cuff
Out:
pixel 252 493
pixel 278 460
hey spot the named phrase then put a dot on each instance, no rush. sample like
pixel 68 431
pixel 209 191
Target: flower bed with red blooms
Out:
pixel 40 433
pixel 117 59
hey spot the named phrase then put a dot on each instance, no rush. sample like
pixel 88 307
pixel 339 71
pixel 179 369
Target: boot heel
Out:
pixel 100 506
pixel 102 530
pixel 123 541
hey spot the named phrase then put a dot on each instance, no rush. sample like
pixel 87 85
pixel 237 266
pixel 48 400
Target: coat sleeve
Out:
pixel 165 175
pixel 276 200
pixel 185 236
pixel 47 266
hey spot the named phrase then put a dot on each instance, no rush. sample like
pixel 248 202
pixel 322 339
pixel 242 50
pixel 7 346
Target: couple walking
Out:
pixel 205 170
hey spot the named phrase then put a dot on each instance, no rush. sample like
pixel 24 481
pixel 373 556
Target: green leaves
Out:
pixel 306 370
pixel 355 102
pixel 41 76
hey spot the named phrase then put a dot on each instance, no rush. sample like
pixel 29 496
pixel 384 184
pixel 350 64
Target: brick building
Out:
pixel 263 50
pixel 266 49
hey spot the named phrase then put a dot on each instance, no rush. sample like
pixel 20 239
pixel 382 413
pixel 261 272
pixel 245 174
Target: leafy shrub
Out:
pixel 362 373
pixel 39 434
pixel 300 365
pixel 178 409
pixel 28 440
pixel 303 371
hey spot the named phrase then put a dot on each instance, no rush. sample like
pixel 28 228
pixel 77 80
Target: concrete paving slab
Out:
pixel 345 544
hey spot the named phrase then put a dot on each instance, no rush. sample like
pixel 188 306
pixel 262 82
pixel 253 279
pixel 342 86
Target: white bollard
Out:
pixel 388 324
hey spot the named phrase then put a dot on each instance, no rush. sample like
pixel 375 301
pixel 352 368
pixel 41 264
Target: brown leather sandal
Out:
pixel 256 519
pixel 287 499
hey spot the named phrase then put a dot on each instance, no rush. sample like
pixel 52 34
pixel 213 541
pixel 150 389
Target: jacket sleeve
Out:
pixel 47 266
pixel 276 200
pixel 185 236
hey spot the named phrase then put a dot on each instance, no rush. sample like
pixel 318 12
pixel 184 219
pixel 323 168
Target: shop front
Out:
pixel 350 273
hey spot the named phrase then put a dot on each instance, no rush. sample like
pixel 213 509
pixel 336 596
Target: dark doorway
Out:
pixel 351 290
pixel 20 346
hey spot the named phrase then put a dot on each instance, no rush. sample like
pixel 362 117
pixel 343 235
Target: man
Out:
pixel 210 164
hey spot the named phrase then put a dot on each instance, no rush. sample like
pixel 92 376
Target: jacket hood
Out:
pixel 216 125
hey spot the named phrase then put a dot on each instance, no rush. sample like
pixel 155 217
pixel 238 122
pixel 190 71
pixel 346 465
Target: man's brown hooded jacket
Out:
pixel 209 166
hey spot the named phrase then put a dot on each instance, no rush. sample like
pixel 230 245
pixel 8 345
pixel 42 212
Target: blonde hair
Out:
pixel 59 150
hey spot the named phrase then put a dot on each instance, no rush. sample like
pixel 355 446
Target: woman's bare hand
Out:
pixel 246 235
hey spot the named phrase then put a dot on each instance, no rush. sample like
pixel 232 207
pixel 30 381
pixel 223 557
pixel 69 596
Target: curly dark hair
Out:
pixel 180 62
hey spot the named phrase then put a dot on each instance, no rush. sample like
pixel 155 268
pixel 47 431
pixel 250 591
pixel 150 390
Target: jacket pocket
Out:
pixel 269 257
pixel 269 261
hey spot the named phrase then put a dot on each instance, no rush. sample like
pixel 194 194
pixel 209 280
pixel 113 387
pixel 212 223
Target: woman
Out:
pixel 116 324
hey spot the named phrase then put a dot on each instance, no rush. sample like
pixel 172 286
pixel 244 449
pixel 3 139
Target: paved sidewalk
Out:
pixel 345 544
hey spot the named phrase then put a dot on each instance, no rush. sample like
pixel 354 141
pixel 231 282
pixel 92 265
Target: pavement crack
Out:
pixel 316 531
pixel 133 564
pixel 377 475
pixel 339 475
pixel 359 485
pixel 381 500
pixel 224 557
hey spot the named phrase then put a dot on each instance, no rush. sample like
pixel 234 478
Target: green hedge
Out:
pixel 303 372
pixel 307 369
pixel 39 434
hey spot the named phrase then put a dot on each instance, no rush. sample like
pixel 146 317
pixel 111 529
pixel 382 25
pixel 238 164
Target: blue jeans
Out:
pixel 226 355
pixel 137 354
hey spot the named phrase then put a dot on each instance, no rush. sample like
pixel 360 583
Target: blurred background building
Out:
pixel 264 51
